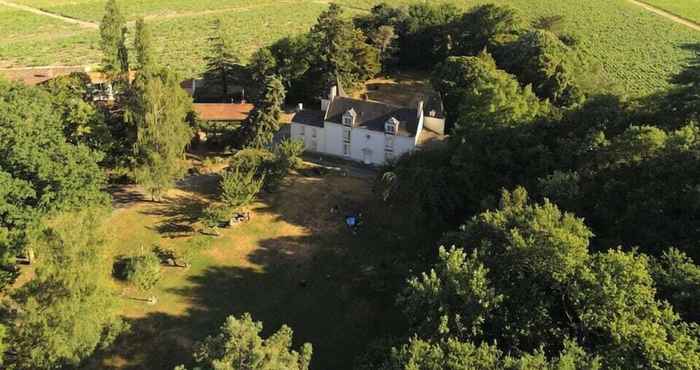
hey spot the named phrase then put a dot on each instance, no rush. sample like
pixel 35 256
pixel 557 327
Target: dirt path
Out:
pixel 47 14
pixel 667 15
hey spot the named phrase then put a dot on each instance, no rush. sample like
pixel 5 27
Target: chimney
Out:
pixel 333 93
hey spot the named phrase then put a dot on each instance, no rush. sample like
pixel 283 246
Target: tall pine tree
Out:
pixel 341 50
pixel 222 61
pixel 115 57
pixel 158 110
pixel 144 51
pixel 259 128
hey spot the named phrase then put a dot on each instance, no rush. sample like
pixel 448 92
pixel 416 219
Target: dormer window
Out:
pixel 349 118
pixel 391 126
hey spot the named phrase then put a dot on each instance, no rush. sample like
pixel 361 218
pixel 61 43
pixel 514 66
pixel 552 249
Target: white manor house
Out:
pixel 368 131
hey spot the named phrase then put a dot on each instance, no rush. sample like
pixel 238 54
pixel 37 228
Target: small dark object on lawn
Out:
pixel 239 218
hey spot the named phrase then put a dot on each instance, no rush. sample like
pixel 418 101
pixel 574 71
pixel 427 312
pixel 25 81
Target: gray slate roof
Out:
pixel 373 115
pixel 309 117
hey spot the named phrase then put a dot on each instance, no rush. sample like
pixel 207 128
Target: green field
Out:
pixel 637 50
pixel 688 9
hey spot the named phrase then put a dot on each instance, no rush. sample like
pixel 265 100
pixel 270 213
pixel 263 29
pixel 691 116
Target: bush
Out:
pixel 239 188
pixel 272 167
pixel 214 215
pixel 143 271
pixel 251 159
pixel 291 151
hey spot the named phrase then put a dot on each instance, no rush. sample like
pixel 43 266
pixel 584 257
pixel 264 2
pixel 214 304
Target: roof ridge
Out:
pixel 375 102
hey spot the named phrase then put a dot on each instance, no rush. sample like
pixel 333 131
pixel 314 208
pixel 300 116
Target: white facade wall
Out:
pixel 313 143
pixel 334 138
pixel 365 145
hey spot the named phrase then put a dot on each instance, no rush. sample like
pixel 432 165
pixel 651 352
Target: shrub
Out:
pixel 214 215
pixel 250 159
pixel 239 188
pixel 291 151
pixel 143 271
pixel 272 167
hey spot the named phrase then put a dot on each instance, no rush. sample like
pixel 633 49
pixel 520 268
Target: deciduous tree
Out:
pixel 239 346
pixel 68 310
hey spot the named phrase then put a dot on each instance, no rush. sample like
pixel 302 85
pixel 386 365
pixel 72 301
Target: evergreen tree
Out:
pixel 263 122
pixel 238 188
pixel 239 346
pixel 340 51
pixel 115 57
pixel 262 66
pixel 222 61
pixel 143 45
pixel 159 111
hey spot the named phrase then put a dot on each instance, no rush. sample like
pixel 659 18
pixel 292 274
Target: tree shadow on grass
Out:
pixel 179 215
pixel 334 289
pixel 332 301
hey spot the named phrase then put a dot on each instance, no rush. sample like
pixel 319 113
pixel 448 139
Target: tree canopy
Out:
pixel 527 281
pixel 239 346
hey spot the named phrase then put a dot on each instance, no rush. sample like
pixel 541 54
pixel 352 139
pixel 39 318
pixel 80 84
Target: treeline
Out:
pixel 522 281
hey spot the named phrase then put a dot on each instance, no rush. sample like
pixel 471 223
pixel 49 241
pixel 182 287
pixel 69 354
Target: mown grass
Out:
pixel 294 263
pixel 636 49
pixel 689 9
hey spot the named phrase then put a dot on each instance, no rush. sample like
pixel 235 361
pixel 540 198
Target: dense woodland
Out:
pixel 557 228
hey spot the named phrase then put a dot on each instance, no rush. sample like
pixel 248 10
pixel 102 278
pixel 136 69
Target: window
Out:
pixel 349 117
pixel 391 126
pixel 389 143
pixel 313 132
pixel 346 136
pixel 346 149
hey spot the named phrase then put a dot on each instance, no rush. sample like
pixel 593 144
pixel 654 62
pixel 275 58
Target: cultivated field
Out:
pixel 689 9
pixel 636 49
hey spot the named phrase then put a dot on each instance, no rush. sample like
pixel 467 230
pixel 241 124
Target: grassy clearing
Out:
pixel 293 263
pixel 636 49
pixel 689 9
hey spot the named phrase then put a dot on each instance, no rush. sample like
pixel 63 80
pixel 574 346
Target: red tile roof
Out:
pixel 222 111
pixel 35 76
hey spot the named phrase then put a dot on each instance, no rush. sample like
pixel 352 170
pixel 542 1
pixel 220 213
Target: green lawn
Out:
pixel 637 50
pixel 294 263
pixel 689 9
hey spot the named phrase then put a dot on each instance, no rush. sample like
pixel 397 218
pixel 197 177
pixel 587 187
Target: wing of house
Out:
pixel 365 131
